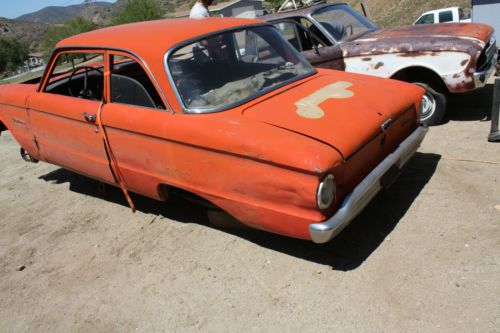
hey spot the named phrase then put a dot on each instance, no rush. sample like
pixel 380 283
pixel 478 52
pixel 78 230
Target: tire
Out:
pixel 434 107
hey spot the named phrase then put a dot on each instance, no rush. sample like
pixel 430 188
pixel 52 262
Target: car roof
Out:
pixel 152 36
pixel 303 11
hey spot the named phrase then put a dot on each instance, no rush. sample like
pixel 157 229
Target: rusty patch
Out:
pixel 366 59
pixel 330 57
pixel 378 65
pixel 464 62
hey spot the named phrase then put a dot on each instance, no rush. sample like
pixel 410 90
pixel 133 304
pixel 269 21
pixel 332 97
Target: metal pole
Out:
pixel 495 114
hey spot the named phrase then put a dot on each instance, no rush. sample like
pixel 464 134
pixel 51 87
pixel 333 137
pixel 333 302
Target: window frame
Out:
pixel 106 50
pixel 371 26
pixel 109 55
pixel 53 63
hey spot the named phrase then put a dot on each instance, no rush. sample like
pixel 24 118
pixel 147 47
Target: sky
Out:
pixel 15 8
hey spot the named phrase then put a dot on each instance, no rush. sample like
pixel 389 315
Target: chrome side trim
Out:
pixel 481 78
pixel 357 200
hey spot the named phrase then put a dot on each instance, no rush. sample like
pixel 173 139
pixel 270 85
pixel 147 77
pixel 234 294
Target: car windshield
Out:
pixel 226 69
pixel 342 22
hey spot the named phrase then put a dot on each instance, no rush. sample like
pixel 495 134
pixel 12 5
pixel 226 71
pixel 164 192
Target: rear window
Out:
pixel 446 16
pixel 226 69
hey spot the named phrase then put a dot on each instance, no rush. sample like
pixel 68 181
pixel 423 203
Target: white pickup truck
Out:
pixel 445 15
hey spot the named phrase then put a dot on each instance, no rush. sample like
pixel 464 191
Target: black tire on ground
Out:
pixel 434 106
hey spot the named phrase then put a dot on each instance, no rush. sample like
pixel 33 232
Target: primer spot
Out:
pixel 308 107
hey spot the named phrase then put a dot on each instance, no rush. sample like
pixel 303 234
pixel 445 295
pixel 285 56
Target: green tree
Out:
pixel 139 10
pixel 56 33
pixel 13 53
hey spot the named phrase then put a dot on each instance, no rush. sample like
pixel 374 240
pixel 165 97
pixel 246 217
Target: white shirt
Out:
pixel 198 11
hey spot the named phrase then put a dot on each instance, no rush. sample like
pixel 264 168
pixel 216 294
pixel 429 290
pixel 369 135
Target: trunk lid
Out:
pixel 345 111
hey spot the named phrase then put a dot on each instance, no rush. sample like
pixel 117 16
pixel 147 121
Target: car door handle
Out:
pixel 90 118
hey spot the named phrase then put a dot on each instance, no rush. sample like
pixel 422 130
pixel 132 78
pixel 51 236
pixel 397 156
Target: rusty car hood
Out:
pixel 343 110
pixel 464 37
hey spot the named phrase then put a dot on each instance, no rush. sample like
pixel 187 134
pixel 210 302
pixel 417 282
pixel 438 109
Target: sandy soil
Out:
pixel 423 257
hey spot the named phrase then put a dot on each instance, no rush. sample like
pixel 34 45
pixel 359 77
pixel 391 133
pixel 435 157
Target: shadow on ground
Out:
pixel 345 252
pixel 475 105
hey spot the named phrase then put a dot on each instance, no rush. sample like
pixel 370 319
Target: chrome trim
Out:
pixel 357 200
pixel 102 48
pixel 481 78
pixel 232 105
pixel 319 201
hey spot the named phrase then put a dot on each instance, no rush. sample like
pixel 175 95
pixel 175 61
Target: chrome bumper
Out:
pixel 355 201
pixel 481 78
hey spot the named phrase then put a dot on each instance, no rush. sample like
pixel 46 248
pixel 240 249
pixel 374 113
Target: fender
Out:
pixel 450 66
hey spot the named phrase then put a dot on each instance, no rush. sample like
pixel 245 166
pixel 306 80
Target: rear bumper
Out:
pixel 355 201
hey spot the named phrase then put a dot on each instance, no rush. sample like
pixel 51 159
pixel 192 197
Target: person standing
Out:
pixel 200 9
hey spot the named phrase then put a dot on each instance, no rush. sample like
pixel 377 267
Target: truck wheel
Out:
pixel 434 106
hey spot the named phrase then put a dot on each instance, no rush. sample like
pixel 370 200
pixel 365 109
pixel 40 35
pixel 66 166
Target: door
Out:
pixel 64 114
pixel 312 46
pixel 136 123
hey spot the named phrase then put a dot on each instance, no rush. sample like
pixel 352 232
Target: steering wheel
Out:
pixel 85 92
pixel 351 28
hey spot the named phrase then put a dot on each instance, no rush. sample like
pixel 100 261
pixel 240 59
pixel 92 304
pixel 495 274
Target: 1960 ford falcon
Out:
pixel 224 109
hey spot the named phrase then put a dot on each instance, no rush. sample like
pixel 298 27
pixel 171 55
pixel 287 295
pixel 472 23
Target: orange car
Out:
pixel 224 109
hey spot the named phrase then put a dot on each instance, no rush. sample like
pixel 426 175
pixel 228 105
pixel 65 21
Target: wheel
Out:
pixel 433 105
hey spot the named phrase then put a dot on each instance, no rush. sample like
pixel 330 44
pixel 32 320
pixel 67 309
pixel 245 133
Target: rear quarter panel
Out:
pixel 14 114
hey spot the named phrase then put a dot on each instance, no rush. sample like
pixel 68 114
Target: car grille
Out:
pixel 488 54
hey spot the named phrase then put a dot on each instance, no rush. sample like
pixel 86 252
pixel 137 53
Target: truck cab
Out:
pixel 445 15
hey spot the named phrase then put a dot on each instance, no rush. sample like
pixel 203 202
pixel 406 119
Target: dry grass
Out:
pixel 402 12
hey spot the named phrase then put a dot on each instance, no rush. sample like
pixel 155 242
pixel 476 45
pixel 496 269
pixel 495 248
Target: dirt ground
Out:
pixel 423 257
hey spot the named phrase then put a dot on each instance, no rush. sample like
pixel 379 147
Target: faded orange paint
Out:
pixel 261 162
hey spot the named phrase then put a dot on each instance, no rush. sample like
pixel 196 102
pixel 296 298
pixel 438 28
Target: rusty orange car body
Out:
pixel 287 148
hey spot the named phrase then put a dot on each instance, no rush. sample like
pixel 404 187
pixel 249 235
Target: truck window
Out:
pixel 426 19
pixel 446 16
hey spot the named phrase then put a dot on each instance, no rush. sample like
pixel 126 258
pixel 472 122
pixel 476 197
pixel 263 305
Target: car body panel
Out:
pixel 452 51
pixel 261 161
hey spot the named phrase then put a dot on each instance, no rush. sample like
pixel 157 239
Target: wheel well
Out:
pixel 423 75
pixel 165 191
pixel 2 127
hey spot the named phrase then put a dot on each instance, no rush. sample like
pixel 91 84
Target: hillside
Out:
pixel 29 32
pixel 30 27
pixel 392 13
pixel 58 14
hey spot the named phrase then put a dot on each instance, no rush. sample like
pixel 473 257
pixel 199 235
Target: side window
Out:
pixel 446 16
pixel 77 74
pixel 288 30
pixel 253 48
pixel 426 19
pixel 131 85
